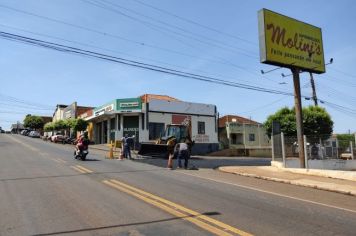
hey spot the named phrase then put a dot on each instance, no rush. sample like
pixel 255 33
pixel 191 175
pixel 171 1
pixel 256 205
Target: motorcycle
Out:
pixel 81 154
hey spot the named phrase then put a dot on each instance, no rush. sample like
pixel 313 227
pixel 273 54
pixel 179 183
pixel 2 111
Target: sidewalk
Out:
pixel 301 179
pixel 105 148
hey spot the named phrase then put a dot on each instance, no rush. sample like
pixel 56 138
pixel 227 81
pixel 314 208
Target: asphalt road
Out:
pixel 44 191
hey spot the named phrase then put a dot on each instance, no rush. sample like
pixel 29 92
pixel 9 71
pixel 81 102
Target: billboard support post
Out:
pixel 298 115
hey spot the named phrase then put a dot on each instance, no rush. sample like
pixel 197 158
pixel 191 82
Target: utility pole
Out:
pixel 299 115
pixel 313 88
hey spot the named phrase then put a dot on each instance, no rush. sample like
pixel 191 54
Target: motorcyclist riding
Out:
pixel 82 142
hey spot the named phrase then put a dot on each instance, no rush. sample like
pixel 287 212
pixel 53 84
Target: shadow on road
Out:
pixel 125 225
pixel 210 162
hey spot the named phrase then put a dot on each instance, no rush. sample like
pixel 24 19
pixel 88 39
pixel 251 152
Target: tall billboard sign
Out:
pixel 290 43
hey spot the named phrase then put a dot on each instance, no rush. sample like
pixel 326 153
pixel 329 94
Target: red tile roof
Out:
pixel 239 119
pixel 148 97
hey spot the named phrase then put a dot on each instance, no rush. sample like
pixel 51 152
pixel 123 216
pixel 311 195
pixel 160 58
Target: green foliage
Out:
pixel 344 140
pixel 80 125
pixel 317 122
pixel 74 124
pixel 60 125
pixel 33 122
pixel 49 127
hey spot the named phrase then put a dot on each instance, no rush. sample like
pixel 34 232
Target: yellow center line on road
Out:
pixel 25 144
pixel 61 161
pixel 77 169
pixel 203 221
pixel 58 160
pixel 84 169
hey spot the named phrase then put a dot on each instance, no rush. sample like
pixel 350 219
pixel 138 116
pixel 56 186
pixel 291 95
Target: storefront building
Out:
pixel 146 118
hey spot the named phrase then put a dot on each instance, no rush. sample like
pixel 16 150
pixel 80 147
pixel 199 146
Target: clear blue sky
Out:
pixel 45 78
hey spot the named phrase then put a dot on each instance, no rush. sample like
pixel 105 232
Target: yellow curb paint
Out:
pixel 177 209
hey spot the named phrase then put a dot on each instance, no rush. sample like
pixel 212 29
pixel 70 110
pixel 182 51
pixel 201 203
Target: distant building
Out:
pixel 64 112
pixel 246 136
pixel 16 128
pixel 58 113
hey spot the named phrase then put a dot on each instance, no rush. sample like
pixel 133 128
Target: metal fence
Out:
pixel 319 147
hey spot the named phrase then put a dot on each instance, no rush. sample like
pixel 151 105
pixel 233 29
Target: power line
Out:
pixel 222 62
pixel 106 34
pixel 4 97
pixel 176 27
pixel 344 73
pixel 165 29
pixel 24 107
pixel 195 23
pixel 264 106
pixel 133 63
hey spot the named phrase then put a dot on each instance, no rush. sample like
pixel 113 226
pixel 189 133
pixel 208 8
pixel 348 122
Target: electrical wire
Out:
pixel 177 27
pixel 195 23
pixel 137 64
pixel 222 62
pixel 167 29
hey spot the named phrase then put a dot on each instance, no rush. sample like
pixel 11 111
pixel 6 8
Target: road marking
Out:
pixel 203 221
pixel 84 169
pixel 58 160
pixel 62 161
pixel 25 144
pixel 272 193
pixel 77 169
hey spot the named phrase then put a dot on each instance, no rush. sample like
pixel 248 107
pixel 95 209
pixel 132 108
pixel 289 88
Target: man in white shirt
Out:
pixel 183 153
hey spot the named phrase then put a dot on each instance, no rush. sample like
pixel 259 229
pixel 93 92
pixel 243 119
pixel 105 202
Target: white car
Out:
pixel 34 134
pixel 57 138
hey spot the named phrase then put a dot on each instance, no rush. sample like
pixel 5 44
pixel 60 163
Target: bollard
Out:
pixel 111 151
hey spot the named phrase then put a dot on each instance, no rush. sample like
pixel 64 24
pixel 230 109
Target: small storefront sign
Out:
pixel 201 138
pixel 104 109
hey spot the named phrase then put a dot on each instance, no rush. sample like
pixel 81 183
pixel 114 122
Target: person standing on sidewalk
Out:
pixel 127 142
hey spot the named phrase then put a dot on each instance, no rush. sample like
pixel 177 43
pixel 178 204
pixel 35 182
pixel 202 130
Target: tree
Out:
pixel 33 122
pixel 344 140
pixel 60 125
pixel 49 127
pixel 317 122
pixel 80 125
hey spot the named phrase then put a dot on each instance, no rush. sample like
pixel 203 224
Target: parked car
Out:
pixel 57 138
pixel 26 132
pixel 34 134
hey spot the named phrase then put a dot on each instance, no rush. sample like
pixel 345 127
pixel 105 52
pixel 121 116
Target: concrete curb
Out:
pixel 293 182
pixel 334 174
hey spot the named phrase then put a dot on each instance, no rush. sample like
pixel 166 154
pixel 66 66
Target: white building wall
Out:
pixel 210 136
